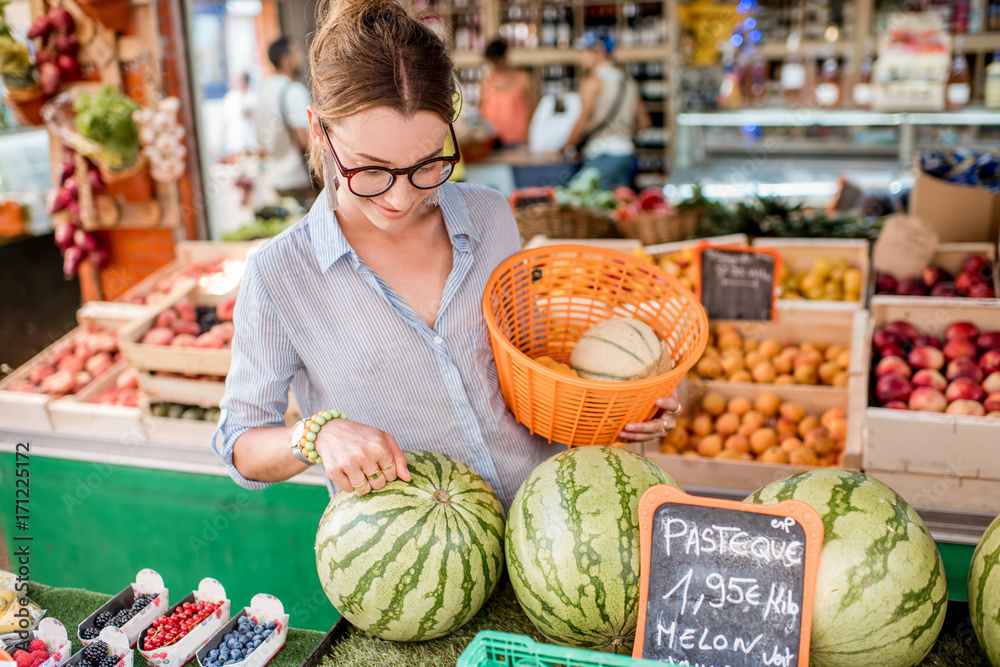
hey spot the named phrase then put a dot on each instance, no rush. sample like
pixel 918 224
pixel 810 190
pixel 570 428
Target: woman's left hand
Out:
pixel 666 419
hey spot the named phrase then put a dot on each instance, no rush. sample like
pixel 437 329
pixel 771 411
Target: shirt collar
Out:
pixel 330 244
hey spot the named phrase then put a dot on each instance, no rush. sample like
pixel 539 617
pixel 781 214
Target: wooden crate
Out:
pixel 193 252
pixel 186 360
pixel 948 489
pixel 661 249
pixel 28 411
pixel 748 476
pixel 798 256
pixel 928 443
pixel 77 415
pixel 203 393
pixel 624 245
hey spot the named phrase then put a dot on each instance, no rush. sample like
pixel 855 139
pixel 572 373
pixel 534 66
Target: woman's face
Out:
pixel 381 137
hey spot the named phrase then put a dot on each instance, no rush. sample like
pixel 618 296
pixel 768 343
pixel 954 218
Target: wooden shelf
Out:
pixel 986 43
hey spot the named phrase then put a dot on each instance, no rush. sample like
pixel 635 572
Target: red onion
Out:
pixel 40 27
pixel 99 257
pixel 64 234
pixel 58 200
pixel 71 261
pixel 61 20
pixel 69 67
pixel 84 241
pixel 50 77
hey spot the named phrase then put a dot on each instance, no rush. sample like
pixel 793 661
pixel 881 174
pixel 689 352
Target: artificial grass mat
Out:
pixel 956 646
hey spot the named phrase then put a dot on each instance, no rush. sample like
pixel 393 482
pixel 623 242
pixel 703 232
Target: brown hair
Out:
pixel 372 53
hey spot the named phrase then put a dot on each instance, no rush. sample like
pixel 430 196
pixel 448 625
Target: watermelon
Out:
pixel 984 592
pixel 573 546
pixel 416 560
pixel 881 593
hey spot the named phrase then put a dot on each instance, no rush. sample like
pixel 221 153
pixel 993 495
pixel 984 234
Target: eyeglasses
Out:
pixel 373 181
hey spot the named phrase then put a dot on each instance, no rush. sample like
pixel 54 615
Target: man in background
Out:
pixel 282 124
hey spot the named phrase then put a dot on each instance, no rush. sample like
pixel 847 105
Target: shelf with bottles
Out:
pixel 461 23
pixel 805 117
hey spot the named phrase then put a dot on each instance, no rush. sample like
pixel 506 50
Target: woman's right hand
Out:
pixel 352 451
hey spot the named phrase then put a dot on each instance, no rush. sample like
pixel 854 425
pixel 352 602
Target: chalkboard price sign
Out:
pixel 724 583
pixel 737 282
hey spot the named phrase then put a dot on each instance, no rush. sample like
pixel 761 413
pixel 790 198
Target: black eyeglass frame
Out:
pixel 407 171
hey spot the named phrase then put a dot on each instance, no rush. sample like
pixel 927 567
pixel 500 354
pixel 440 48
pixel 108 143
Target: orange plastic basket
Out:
pixel 540 301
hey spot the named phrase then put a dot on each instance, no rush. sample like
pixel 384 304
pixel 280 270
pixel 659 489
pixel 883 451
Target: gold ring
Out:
pixel 666 426
pixel 387 468
pixel 374 476
pixel 360 486
pixel 676 412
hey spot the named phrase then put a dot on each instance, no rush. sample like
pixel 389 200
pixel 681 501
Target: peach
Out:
pixel 750 345
pixel 962 330
pixel 727 424
pixel 927 399
pixel 803 457
pixel 739 406
pixel 702 425
pixel 902 330
pixel 764 373
pixel 991 385
pixel 158 336
pixel 964 389
pixel 737 443
pixel 960 347
pixel 807 424
pixel 964 367
pixel 990 361
pixel 166 318
pixel 774 455
pixel 225 330
pixel 992 402
pixel 186 310
pixel 966 407
pixel 98 363
pixel 785 379
pixel 993 415
pixel 811 358
pixel 710 445
pixel 789 445
pixel 185 327
pixel 39 373
pixel 767 404
pixel 892 365
pixel 72 364
pixel 792 411
pixel 183 340
pixel 742 375
pixel 820 441
pixel 762 440
pixel 209 340
pixel 928 377
pixel 989 341
pixel 713 404
pixel 828 460
pixel 769 347
pixel 893 387
pixel 926 357
pixel 896 405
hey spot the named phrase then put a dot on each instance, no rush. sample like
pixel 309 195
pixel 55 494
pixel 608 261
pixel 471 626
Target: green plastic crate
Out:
pixel 503 649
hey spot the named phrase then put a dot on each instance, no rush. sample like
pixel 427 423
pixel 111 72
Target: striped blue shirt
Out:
pixel 313 316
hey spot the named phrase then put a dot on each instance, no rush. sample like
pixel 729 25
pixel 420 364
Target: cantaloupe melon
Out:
pixel 618 350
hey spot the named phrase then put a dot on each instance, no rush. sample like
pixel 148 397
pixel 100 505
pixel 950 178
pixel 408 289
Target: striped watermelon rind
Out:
pixel 881 593
pixel 413 561
pixel 573 546
pixel 984 592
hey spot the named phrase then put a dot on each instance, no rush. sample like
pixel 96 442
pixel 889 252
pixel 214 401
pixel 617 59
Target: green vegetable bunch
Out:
pixel 16 69
pixel 106 118
pixel 584 189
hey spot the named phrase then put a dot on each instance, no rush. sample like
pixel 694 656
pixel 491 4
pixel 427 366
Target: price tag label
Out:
pixel 737 282
pixel 724 582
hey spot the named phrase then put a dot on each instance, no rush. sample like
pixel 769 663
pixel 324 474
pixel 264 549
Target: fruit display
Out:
pixel 72 363
pixel 168 630
pixel 573 546
pixel 619 349
pixel 36 654
pixel 984 592
pixel 184 325
pixel 732 358
pixel 680 264
pixel 119 618
pixel 829 279
pixel 203 272
pixel 629 204
pixel 125 391
pixel 182 411
pixel 764 429
pixel 237 645
pixel 959 375
pixel 974 281
pixel 880 590
pixel 427 571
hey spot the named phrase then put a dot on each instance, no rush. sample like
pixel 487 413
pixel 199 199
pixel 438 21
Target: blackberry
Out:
pixel 90 633
pixel 142 601
pixel 109 661
pixel 102 619
pixel 121 618
pixel 84 663
pixel 96 652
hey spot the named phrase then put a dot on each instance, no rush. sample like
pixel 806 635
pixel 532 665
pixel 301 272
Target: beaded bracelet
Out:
pixel 306 444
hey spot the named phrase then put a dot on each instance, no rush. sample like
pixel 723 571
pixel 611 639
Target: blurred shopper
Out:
pixel 507 97
pixel 283 125
pixel 237 114
pixel 611 114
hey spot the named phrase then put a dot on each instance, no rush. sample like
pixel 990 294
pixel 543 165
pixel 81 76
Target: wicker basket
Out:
pixel 565 222
pixel 540 301
pixel 652 228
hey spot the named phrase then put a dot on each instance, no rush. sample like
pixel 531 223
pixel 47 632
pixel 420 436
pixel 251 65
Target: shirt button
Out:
pixel 438 340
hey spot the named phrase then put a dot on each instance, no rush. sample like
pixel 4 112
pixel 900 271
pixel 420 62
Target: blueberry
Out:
pixel 256 643
pixel 233 643
pixel 223 653
pixel 245 652
pixel 213 654
pixel 267 633
pixel 258 628
pixel 245 639
pixel 271 625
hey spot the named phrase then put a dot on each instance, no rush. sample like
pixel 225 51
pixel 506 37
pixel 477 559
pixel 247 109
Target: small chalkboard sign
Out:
pixel 526 197
pixel 726 583
pixel 737 282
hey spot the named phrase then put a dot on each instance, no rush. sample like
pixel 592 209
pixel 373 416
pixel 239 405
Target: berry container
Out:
pixel 263 609
pixel 116 640
pixel 147 581
pixel 57 642
pixel 184 649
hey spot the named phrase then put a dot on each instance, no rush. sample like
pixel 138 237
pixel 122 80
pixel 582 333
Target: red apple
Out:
pixel 964 388
pixel 964 367
pixel 934 275
pixel 946 288
pixel 966 407
pixel 885 284
pixel 896 405
pixel 960 347
pixel 928 377
pixel 890 365
pixel 884 338
pixel 928 399
pixel 926 357
pixel 927 341
pixel 893 387
pixel 991 385
pixel 989 341
pixel 902 330
pixel 892 351
pixel 965 330
pixel 982 291
pixel 990 361
pixel 912 287
pixel 992 402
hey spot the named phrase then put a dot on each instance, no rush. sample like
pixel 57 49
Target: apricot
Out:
pixel 677 438
pixel 819 440
pixel 785 429
pixel 746 430
pixel 711 351
pixel 782 364
pixel 702 425
pixel 725 327
pixel 668 449
pixel 691 454
pixel 827 371
pixel 764 373
pixel 732 361
pixel 844 359
pixel 739 406
pixel 830 415
pixel 807 424
pixel 829 460
pixel 791 444
pixel 709 367
pixel 753 418
pixel 803 457
pixel 833 352
pixel 742 375
pixel 804 375
pixel 840 379
pixel 737 443
pixel 784 379
pixel 762 440
pixel 754 357
pixel 792 411
pixel 710 445
pixel 728 455
pixel 729 339
pixel 838 428
pixel 713 404
pixel 769 347
pixel 727 424
pixel 774 455
pixel 767 404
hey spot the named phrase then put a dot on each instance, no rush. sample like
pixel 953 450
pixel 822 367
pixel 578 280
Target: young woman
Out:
pixel 370 305
pixel 507 96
